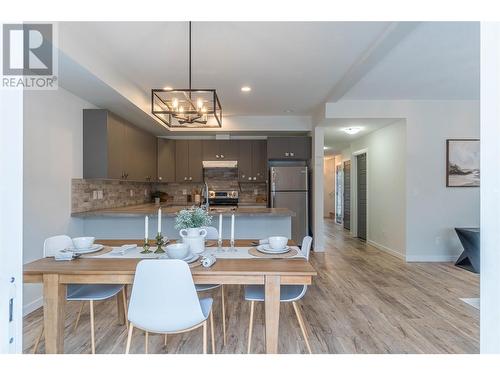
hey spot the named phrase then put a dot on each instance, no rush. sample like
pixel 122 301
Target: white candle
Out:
pixel 220 226
pixel 232 227
pixel 146 227
pixel 159 220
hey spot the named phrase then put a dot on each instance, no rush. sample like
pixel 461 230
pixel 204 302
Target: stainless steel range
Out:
pixel 223 198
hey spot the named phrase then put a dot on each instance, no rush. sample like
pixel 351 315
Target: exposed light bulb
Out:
pixel 175 103
pixel 246 89
pixel 199 103
pixel 181 109
pixel 204 109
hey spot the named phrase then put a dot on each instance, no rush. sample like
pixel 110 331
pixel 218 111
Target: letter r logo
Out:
pixel 27 49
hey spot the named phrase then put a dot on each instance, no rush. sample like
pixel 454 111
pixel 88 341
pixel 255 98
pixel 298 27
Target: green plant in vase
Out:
pixel 190 223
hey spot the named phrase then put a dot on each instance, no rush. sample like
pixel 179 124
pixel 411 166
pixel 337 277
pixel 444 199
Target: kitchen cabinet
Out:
pixel 166 160
pixel 220 150
pixel 114 148
pixel 188 161
pixel 252 161
pixel 289 148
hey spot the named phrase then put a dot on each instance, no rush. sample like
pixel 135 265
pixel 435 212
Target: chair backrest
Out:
pixel 212 233
pixel 56 243
pixel 306 246
pixel 164 297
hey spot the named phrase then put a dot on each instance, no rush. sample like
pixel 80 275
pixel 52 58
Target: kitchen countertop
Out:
pixel 171 211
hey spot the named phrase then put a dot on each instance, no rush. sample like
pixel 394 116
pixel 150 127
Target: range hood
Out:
pixel 220 164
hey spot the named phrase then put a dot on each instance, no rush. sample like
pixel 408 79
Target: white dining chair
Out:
pixel 213 234
pixel 164 301
pixel 81 292
pixel 288 293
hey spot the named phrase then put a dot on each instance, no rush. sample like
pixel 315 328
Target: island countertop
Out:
pixel 171 211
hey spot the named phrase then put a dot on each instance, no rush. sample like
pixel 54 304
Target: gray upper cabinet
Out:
pixel 188 161
pixel 114 148
pixel 252 161
pixel 166 160
pixel 289 148
pixel 220 150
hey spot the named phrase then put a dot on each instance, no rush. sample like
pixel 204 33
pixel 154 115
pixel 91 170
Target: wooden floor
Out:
pixel 363 301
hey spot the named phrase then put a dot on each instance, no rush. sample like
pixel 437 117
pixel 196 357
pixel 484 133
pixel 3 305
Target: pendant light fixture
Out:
pixel 187 108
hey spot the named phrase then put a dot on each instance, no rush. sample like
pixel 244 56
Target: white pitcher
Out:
pixel 194 238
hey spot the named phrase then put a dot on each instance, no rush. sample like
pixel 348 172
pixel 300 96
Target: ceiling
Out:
pixel 292 67
pixel 337 140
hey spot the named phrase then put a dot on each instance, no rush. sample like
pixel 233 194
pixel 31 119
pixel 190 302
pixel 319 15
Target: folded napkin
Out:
pixel 64 255
pixel 208 261
pixel 124 249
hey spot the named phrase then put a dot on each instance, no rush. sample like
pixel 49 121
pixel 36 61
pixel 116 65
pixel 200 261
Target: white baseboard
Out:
pixel 432 258
pixel 386 249
pixel 32 306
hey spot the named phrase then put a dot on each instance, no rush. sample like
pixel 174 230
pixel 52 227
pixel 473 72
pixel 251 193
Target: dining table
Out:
pixel 270 272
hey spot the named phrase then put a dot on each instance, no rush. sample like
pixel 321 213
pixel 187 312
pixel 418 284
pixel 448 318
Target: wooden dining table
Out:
pixel 56 275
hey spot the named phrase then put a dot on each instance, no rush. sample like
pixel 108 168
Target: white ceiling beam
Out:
pixel 380 47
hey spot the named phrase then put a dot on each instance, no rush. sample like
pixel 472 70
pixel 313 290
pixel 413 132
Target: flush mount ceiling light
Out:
pixel 352 130
pixel 246 89
pixel 187 108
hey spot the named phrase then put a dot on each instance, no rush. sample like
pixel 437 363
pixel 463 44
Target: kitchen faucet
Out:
pixel 207 205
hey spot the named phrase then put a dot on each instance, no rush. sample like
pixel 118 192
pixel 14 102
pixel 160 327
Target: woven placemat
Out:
pixel 256 253
pixel 104 250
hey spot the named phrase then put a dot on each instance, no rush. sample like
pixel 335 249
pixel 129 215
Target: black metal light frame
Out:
pixel 216 107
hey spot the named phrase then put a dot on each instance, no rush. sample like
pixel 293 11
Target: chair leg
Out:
pixel 250 326
pixel 212 331
pixel 92 328
pixel 146 339
pixel 205 344
pixel 129 337
pixel 223 315
pixel 125 312
pixel 78 316
pixel 37 341
pixel 302 325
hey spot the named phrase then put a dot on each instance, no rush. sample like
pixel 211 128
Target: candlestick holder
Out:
pixel 231 249
pixel 159 243
pixel 146 247
pixel 220 249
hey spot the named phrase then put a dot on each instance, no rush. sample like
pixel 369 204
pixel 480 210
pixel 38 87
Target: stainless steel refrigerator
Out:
pixel 289 189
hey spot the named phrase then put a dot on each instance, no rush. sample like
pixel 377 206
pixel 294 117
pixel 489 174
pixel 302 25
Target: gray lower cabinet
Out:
pixel 188 161
pixel 166 160
pixel 252 161
pixel 289 148
pixel 114 148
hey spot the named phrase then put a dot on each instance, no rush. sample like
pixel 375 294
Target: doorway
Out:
pixel 361 188
pixel 347 195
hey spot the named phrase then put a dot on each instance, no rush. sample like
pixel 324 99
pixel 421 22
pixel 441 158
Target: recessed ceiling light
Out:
pixel 246 89
pixel 288 110
pixel 352 130
pixel 167 88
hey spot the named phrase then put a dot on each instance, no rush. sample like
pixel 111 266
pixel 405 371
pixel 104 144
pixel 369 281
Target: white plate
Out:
pixel 92 249
pixel 268 250
pixel 192 258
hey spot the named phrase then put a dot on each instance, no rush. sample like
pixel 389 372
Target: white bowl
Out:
pixel 83 242
pixel 177 250
pixel 278 242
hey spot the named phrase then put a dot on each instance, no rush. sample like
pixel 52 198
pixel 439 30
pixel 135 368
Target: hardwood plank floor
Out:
pixel 363 301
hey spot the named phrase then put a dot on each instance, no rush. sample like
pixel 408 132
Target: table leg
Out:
pixel 272 305
pixel 120 307
pixel 54 300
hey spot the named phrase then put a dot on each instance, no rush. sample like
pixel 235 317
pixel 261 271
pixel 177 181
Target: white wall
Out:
pixel 318 142
pixel 386 165
pixel 53 155
pixel 490 194
pixel 432 209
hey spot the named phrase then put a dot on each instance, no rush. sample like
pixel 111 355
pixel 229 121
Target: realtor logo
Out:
pixel 29 56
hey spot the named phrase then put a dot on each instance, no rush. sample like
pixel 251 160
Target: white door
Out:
pixel 11 216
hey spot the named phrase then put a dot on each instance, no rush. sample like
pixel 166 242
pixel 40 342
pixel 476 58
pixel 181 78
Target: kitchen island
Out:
pixel 128 222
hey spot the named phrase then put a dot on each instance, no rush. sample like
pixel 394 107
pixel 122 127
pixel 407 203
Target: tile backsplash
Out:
pixel 94 194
